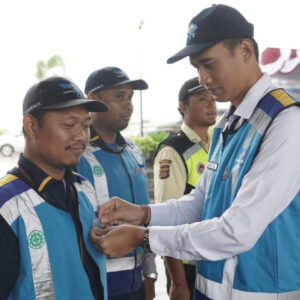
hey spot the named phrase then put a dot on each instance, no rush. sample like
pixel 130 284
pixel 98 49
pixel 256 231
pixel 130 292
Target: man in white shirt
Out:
pixel 241 222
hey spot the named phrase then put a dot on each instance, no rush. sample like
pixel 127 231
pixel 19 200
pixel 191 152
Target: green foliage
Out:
pixel 149 143
pixel 44 67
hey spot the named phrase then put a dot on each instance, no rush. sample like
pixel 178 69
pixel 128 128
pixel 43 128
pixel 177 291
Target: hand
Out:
pixel 149 288
pixel 179 292
pixel 117 211
pixel 117 241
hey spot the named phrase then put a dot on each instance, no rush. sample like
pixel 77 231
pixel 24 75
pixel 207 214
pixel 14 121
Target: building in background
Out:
pixel 284 67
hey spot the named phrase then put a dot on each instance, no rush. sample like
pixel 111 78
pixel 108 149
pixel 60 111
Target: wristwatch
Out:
pixel 145 243
pixel 151 275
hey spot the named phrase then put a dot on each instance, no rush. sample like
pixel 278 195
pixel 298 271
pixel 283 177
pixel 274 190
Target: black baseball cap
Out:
pixel 211 26
pixel 57 93
pixel 191 86
pixel 111 77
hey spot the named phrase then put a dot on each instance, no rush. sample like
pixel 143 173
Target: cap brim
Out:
pixel 197 89
pixel 190 50
pixel 138 84
pixel 91 105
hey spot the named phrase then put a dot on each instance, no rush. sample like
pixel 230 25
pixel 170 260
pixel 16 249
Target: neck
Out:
pixel 257 74
pixel 54 172
pixel 202 131
pixel 108 136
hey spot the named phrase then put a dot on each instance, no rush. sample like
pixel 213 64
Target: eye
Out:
pixel 69 125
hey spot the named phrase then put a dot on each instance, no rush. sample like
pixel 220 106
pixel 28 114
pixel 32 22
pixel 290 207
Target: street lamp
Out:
pixel 141 93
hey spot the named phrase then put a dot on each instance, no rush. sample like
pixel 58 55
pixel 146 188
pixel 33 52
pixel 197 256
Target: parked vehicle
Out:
pixel 9 144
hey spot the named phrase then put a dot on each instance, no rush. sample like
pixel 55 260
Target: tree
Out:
pixel 51 67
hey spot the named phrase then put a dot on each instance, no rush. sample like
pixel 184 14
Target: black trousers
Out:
pixel 136 295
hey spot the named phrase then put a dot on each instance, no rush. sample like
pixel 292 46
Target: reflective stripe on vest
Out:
pixel 123 263
pixel 195 159
pixel 100 181
pixel 217 291
pixel 41 271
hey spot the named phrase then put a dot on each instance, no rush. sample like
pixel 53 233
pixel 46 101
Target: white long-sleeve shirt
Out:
pixel 267 189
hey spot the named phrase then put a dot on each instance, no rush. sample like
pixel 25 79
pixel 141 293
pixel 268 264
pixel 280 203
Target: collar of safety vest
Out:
pixel 39 178
pixel 96 140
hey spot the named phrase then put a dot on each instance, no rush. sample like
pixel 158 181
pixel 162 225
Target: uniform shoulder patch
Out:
pixel 164 168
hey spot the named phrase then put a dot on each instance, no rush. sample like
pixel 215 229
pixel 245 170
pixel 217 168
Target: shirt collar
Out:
pixel 253 96
pixel 96 140
pixel 40 178
pixel 190 133
pixel 194 137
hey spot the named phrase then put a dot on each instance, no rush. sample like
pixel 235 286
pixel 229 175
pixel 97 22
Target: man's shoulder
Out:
pixel 11 186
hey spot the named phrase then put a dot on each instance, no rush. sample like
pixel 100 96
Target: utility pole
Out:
pixel 141 92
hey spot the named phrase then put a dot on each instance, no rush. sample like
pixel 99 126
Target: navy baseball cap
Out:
pixel 57 93
pixel 191 86
pixel 110 77
pixel 211 26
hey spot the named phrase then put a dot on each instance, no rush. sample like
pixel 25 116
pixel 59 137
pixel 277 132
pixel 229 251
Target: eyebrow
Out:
pixel 76 118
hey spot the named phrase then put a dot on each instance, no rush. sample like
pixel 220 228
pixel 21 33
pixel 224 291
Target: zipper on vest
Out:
pixel 133 201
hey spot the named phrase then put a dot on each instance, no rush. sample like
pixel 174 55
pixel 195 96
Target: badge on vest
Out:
pixel 36 239
pixel 212 165
pixel 164 170
pixel 243 154
pixel 97 170
pixel 225 174
pixel 200 168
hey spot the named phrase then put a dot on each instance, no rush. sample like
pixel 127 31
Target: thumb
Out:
pixel 97 232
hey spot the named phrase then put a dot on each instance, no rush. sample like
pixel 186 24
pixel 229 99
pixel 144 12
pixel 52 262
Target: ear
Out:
pixel 182 107
pixel 247 49
pixel 92 96
pixel 30 126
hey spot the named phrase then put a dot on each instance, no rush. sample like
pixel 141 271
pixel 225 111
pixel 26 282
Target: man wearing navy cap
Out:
pixel 46 210
pixel 116 167
pixel 241 222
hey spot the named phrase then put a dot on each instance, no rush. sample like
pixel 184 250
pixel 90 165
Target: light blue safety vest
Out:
pixel 50 265
pixel 120 174
pixel 271 269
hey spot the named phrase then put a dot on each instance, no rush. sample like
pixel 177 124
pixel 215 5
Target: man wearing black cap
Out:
pixel 116 167
pixel 179 162
pixel 46 210
pixel 241 222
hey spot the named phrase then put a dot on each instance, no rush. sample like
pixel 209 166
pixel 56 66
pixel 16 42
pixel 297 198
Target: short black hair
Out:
pixel 231 44
pixel 39 116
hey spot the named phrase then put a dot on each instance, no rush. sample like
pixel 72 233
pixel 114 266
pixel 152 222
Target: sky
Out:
pixel 93 34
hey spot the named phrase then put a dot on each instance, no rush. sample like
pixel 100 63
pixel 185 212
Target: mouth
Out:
pixel 77 149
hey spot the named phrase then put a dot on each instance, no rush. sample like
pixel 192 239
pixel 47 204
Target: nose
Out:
pixel 128 104
pixel 204 76
pixel 81 134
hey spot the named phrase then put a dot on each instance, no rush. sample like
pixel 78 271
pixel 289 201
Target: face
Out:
pixel 60 140
pixel 201 109
pixel 223 72
pixel 118 100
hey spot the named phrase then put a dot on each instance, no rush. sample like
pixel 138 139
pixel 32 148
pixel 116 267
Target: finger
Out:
pixel 99 232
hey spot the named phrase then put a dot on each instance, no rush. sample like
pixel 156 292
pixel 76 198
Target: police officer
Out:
pixel 46 210
pixel 179 161
pixel 116 167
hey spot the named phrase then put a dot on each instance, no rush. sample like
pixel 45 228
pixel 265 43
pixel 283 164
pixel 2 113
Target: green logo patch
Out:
pixel 97 170
pixel 36 239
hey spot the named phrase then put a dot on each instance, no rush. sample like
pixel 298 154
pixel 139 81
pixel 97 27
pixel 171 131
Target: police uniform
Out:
pixel 178 164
